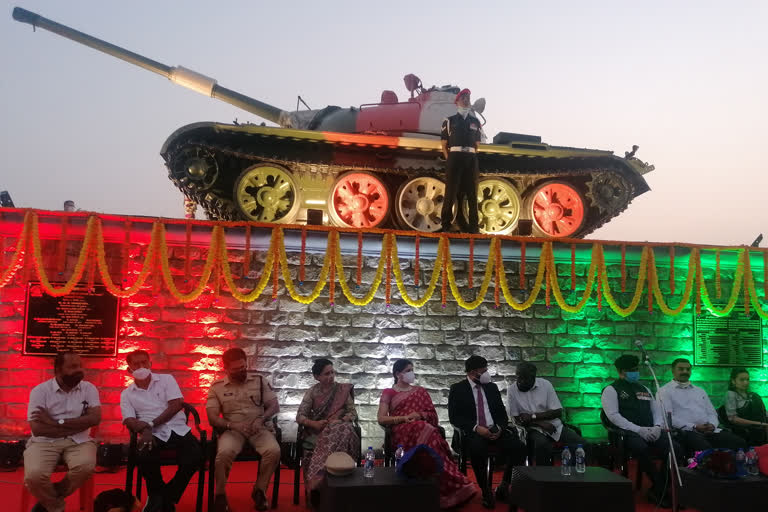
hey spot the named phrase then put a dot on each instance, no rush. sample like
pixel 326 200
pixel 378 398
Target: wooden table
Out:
pixel 385 492
pixel 745 494
pixel 544 489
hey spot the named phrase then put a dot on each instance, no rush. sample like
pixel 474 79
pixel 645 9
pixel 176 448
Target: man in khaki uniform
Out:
pixel 241 404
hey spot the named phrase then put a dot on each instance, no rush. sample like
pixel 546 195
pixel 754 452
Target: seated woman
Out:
pixel 326 413
pixel 745 409
pixel 408 410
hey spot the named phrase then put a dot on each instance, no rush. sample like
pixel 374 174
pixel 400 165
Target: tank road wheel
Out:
pixel 609 192
pixel 498 204
pixel 195 168
pixel 358 200
pixel 267 193
pixel 419 204
pixel 557 209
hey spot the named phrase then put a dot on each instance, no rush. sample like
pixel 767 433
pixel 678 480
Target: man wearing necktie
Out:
pixel 475 408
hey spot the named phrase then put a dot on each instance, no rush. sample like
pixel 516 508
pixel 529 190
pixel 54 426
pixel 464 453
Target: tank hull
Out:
pixel 265 174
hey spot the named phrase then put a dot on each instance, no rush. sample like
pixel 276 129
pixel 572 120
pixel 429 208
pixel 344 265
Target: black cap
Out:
pixel 475 362
pixel 627 362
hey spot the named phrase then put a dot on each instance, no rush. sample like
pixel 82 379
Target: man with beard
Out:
pixel 61 412
pixel 534 404
pixel 241 405
pixel 152 407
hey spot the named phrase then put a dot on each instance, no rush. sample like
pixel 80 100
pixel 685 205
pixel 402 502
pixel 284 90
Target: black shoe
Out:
pixel 154 504
pixel 488 500
pixel 259 499
pixel 502 492
pixel 39 508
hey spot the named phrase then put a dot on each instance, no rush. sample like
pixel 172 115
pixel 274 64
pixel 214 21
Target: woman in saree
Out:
pixel 408 410
pixel 745 409
pixel 326 413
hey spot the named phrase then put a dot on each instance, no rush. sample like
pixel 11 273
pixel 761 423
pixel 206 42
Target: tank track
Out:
pixel 233 154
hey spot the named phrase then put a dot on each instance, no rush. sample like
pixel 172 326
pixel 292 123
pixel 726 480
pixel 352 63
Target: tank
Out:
pixel 378 165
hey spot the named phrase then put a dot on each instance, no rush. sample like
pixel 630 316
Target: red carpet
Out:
pixel 238 491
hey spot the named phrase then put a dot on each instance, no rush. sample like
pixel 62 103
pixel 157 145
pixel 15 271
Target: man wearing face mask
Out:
pixel 692 412
pixel 460 136
pixel 242 406
pixel 534 404
pixel 61 412
pixel 152 407
pixel 630 406
pixel 475 408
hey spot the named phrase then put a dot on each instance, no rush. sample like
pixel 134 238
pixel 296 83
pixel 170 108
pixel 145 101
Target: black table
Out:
pixel 544 489
pixel 715 494
pixel 385 492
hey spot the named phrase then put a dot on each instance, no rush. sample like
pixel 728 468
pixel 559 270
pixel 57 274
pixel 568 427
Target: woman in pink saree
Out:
pixel 326 413
pixel 408 410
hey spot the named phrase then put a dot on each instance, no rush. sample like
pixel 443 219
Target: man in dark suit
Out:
pixel 475 408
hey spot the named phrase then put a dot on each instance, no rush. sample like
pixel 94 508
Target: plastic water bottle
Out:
pixel 565 459
pixel 581 459
pixel 370 463
pixel 751 461
pixel 399 455
pixel 741 458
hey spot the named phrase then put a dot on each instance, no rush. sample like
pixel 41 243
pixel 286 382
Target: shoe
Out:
pixel 259 499
pixel 39 508
pixel 502 492
pixel 488 499
pixel 220 503
pixel 154 504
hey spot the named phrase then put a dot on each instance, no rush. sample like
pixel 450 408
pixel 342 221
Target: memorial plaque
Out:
pixel 82 321
pixel 734 340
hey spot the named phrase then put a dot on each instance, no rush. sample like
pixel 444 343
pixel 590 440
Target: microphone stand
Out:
pixel 674 469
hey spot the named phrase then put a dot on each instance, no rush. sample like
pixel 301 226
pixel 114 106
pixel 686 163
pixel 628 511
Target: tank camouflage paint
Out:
pixel 378 165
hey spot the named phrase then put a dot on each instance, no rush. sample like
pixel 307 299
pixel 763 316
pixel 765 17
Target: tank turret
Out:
pixel 377 165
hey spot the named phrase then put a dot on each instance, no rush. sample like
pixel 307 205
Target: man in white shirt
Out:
pixel 61 412
pixel 152 407
pixel 630 406
pixel 693 413
pixel 534 404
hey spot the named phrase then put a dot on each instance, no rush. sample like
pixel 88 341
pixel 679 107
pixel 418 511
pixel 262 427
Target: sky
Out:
pixel 687 81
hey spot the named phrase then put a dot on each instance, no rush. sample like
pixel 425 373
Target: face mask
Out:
pixel 72 380
pixel 141 373
pixel 408 377
pixel 464 111
pixel 633 376
pixel 485 378
pixel 239 376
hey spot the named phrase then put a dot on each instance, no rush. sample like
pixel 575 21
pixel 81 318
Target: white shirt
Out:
pixel 62 405
pixel 541 397
pixel 610 402
pixel 689 406
pixel 488 417
pixel 148 404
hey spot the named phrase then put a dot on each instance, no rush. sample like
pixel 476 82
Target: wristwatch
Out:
pixel 61 422
pixel 533 416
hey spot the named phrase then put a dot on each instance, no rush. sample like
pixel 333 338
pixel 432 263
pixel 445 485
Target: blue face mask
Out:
pixel 633 376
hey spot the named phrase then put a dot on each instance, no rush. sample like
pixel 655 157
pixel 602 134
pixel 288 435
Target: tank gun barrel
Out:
pixel 177 74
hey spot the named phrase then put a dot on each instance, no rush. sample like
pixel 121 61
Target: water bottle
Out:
pixel 581 459
pixel 740 460
pixel 565 459
pixel 370 462
pixel 399 455
pixel 752 467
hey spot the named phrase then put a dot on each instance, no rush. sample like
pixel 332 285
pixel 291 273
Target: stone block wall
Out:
pixel 574 351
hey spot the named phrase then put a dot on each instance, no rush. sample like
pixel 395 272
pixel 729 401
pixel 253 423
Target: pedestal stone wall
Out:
pixel 574 351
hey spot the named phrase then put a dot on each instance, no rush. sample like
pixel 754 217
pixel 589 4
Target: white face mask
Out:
pixel 408 377
pixel 464 111
pixel 141 373
pixel 485 378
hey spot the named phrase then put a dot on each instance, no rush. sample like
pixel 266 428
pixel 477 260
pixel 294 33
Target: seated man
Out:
pixel 241 405
pixel 475 408
pixel 116 500
pixel 534 404
pixel 61 412
pixel 152 407
pixel 630 406
pixel 693 414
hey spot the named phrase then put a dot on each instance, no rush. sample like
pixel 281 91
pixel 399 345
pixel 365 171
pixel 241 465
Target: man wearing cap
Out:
pixel 475 408
pixel 460 136
pixel 631 407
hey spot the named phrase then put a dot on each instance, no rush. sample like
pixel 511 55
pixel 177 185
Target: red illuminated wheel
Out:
pixel 359 200
pixel 557 209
